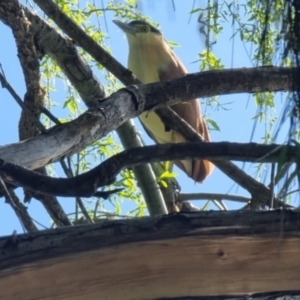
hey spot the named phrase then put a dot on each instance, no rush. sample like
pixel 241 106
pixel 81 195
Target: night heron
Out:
pixel 151 60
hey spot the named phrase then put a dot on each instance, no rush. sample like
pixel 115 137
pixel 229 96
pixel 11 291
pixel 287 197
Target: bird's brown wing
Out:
pixel 190 112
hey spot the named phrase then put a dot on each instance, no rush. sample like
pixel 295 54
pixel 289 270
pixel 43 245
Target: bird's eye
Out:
pixel 145 29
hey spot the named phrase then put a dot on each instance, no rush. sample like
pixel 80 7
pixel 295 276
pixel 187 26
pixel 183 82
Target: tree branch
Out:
pixel 86 184
pixel 213 196
pixel 5 84
pixel 18 207
pixel 260 249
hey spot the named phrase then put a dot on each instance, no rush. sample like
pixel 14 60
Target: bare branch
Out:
pixel 213 196
pixel 17 98
pixel 238 246
pixel 69 174
pixel 283 192
pixel 86 184
pixel 18 207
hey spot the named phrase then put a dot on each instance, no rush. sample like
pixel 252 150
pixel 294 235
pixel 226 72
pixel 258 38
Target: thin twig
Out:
pixel 213 196
pixel 283 192
pixel 5 84
pixel 19 209
pixel 272 186
pixel 69 174
pixel 47 113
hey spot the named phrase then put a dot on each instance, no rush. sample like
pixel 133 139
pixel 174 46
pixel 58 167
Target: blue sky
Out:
pixel 236 121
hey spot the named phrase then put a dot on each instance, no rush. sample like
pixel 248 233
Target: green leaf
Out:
pixel 213 124
pixel 206 205
pixel 173 44
pixel 195 10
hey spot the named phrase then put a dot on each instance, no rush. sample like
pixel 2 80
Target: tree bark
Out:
pixel 184 255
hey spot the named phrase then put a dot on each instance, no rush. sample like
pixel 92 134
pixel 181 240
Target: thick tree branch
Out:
pixel 86 184
pixel 29 59
pixel 66 139
pixel 260 249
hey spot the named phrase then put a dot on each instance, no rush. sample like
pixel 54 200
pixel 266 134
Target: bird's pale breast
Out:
pixel 145 61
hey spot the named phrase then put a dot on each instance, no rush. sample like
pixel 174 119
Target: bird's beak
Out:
pixel 125 27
